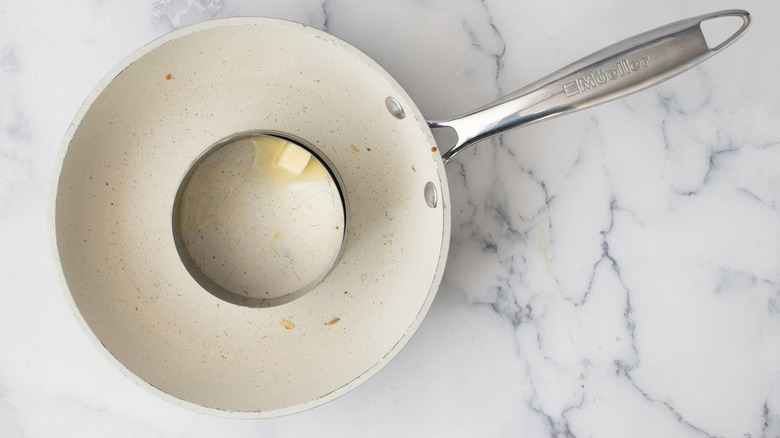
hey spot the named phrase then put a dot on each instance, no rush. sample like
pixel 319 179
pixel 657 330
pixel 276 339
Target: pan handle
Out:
pixel 613 72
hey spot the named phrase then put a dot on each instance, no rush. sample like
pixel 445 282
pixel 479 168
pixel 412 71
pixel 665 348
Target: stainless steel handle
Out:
pixel 615 71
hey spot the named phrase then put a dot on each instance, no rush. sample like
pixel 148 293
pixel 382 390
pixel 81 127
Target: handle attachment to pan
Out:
pixel 613 72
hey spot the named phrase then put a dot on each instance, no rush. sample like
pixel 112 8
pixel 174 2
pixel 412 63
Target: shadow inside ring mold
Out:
pixel 252 232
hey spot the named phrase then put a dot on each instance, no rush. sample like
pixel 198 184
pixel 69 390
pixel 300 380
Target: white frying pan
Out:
pixel 138 134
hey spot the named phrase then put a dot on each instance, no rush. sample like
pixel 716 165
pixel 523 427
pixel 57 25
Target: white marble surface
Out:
pixel 612 273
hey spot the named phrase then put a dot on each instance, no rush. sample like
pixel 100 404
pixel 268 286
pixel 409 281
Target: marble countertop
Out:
pixel 612 273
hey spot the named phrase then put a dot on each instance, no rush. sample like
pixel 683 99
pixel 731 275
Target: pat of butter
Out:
pixel 293 159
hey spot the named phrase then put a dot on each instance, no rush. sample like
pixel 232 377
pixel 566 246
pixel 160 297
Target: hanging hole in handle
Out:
pixel 721 30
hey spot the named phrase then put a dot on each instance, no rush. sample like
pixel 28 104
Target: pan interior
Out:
pixel 122 166
pixel 259 219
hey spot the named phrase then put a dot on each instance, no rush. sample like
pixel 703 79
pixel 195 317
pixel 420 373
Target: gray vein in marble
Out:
pixel 8 60
pixel 556 427
pixel 180 13
pixel 768 145
pixel 729 153
pixel 623 369
pixel 502 295
pixel 673 107
pixel 679 417
pixel 731 281
pixel 719 154
pixel 771 426
pixel 496 53
pixel 17 155
pixel 470 221
pixel 773 304
pixel 548 198
pixel 18 130
pixel 503 300
pixel 722 150
pixel 496 201
pixel 620 365
pixel 505 303
pixel 325 7
pixel 675 110
pixel 755 197
pixel 485 36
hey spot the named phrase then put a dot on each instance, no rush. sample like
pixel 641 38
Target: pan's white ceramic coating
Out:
pixel 121 166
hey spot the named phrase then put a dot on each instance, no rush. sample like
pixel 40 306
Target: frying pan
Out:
pixel 142 129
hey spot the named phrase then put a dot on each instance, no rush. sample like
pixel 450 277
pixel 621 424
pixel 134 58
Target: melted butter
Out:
pixel 268 149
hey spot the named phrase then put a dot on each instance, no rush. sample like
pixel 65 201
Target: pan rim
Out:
pixel 105 350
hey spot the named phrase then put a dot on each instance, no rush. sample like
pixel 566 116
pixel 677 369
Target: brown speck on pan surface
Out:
pixel 333 321
pixel 286 324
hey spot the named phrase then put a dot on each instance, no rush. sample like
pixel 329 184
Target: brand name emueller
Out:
pixel 593 80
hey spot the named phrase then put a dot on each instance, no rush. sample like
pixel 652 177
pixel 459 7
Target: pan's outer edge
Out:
pixel 52 205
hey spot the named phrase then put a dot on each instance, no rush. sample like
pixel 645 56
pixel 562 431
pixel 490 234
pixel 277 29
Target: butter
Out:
pixel 293 159
pixel 286 162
